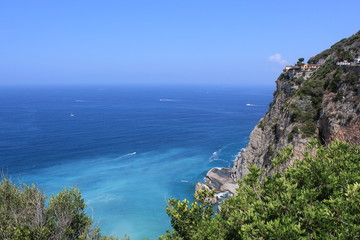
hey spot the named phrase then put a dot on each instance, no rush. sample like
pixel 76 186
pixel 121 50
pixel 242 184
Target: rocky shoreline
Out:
pixel 221 181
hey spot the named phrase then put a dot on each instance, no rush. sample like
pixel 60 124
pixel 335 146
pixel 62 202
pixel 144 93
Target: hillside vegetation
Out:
pixel 24 215
pixel 317 198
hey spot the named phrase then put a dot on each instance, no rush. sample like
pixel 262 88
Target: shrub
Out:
pixel 24 214
pixel 317 198
pixel 261 124
pixel 186 216
pixel 308 128
pixel 339 96
pixel 293 132
pixel 299 81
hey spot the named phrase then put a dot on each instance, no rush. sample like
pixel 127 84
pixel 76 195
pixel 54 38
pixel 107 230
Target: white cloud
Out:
pixel 277 58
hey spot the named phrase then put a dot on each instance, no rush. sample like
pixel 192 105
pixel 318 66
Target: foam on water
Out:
pixel 217 156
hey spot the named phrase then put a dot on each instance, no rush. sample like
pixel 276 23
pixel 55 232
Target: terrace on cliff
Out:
pixel 301 70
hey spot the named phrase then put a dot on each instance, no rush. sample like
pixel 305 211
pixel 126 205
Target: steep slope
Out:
pixel 324 106
pixel 322 103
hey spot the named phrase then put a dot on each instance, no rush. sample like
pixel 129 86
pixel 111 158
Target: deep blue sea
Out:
pixel 128 148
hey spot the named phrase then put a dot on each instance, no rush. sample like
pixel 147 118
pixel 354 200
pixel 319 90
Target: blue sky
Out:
pixel 165 41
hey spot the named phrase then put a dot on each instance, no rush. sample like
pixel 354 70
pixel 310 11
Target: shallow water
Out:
pixel 127 148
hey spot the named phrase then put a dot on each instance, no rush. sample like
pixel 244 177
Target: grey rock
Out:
pixel 220 179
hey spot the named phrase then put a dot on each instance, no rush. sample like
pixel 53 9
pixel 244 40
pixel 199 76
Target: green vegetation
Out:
pixel 332 83
pixel 293 132
pixel 322 55
pixel 342 54
pixel 24 215
pixel 352 78
pixel 340 77
pixel 261 124
pixel 329 78
pixel 299 80
pixel 317 198
pixel 306 118
pixel 300 62
pixel 351 44
pixel 186 216
pixel 313 89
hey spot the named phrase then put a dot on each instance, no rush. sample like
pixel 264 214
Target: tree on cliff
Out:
pixel 24 214
pixel 317 198
pixel 300 62
pixel 185 217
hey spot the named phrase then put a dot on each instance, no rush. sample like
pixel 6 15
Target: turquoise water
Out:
pixel 128 148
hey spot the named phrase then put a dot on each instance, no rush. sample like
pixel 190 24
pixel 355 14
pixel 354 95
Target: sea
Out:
pixel 128 148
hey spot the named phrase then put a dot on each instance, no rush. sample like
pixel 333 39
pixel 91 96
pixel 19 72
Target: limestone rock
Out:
pixel 220 179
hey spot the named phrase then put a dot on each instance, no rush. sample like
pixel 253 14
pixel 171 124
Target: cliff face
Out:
pixel 321 103
pixel 275 130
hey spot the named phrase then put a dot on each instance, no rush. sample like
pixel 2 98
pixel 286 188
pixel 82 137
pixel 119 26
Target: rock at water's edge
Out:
pixel 220 179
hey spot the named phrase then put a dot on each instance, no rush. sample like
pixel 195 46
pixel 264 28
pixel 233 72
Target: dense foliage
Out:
pixel 186 216
pixel 317 198
pixel 24 214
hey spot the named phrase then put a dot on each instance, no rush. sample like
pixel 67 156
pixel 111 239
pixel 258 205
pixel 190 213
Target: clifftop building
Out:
pixel 310 66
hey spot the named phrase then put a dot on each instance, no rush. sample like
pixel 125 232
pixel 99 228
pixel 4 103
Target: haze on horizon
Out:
pixel 148 42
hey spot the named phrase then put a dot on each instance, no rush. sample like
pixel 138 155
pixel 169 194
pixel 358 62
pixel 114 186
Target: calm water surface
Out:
pixel 128 148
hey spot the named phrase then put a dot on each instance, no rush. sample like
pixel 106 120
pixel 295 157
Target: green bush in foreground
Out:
pixel 317 198
pixel 24 215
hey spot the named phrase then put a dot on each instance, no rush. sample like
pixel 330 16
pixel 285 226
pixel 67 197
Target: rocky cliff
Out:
pixel 321 103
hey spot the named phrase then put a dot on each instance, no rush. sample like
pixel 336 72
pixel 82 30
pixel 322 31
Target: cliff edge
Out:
pixel 318 100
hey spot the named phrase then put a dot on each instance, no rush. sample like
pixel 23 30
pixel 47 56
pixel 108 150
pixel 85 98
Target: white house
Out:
pixel 343 63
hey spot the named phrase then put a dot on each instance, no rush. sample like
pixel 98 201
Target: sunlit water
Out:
pixel 129 148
